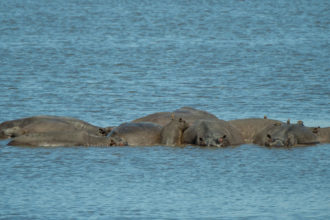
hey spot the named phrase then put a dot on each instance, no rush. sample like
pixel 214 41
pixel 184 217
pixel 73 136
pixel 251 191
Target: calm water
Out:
pixel 108 62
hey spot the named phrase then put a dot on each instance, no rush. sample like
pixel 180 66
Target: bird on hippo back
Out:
pixel 285 135
pixel 217 133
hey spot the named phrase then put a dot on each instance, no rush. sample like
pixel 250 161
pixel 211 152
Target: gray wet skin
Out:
pixel 64 139
pixel 172 133
pixel 251 126
pixel 216 133
pixel 190 115
pixel 323 134
pixel 137 134
pixel 285 135
pixel 45 124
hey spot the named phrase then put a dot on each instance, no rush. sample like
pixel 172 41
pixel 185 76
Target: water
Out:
pixel 108 62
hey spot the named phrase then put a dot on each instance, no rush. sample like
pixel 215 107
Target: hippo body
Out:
pixel 251 126
pixel 285 135
pixel 137 133
pixel 45 124
pixel 62 139
pixel 217 133
pixel 172 133
pixel 323 134
pixel 160 118
pixel 190 115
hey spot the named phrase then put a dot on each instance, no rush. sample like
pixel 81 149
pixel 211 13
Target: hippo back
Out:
pixel 160 118
pixel 190 115
pixel 60 139
pixel 323 134
pixel 138 133
pixel 44 124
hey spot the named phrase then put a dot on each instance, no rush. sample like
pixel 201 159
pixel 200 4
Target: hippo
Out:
pixel 217 133
pixel 137 133
pixel 190 115
pixel 285 135
pixel 251 126
pixel 323 134
pixel 64 139
pixel 172 133
pixel 44 124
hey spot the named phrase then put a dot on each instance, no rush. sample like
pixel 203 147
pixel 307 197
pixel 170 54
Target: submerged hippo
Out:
pixel 64 139
pixel 217 133
pixel 285 135
pixel 172 133
pixel 44 124
pixel 137 133
pixel 190 115
pixel 251 126
pixel 323 134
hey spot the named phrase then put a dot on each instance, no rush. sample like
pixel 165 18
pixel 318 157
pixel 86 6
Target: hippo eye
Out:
pixel 268 135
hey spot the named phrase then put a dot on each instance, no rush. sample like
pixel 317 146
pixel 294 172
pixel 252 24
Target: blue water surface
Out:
pixel 108 62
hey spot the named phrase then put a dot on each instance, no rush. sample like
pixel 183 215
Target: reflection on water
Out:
pixel 111 62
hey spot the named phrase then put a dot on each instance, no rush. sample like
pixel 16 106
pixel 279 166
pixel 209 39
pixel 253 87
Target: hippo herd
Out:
pixel 184 126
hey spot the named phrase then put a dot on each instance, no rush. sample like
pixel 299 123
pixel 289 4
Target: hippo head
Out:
pixel 213 142
pixel 287 141
pixel 117 141
pixel 183 125
pixel 11 132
